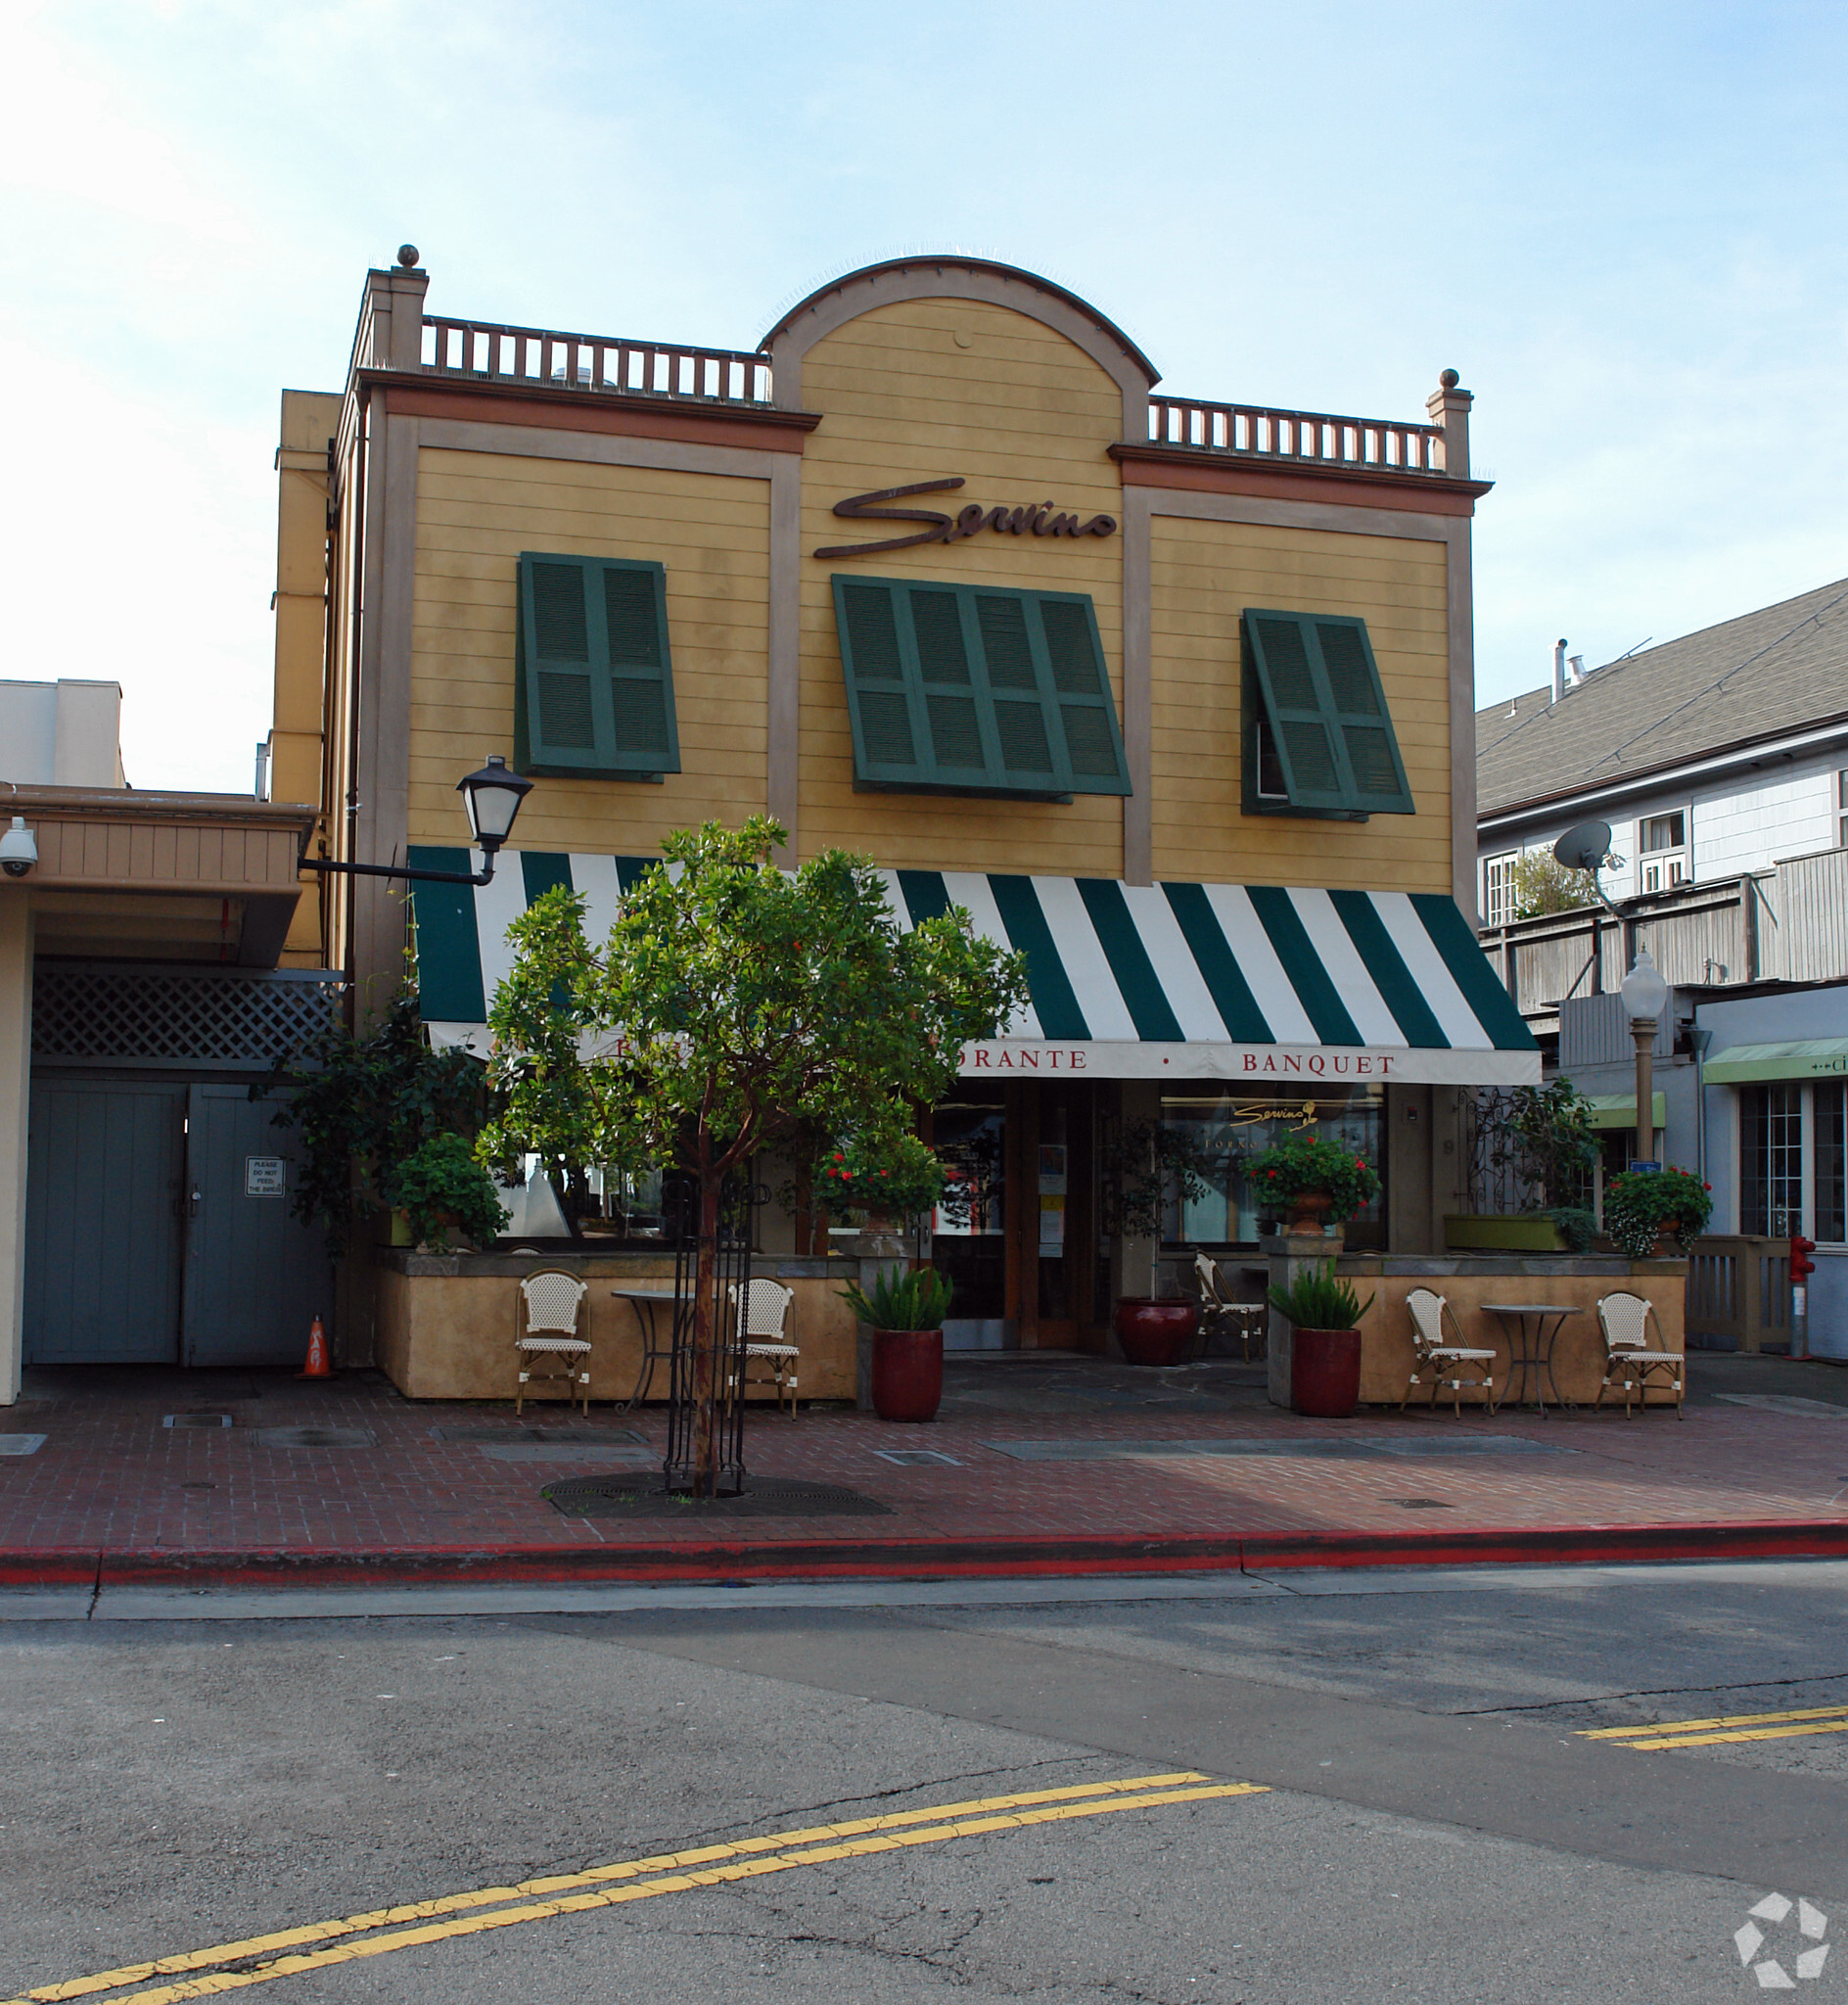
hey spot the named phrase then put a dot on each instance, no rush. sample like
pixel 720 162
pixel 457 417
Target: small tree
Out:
pixel 1544 885
pixel 734 1006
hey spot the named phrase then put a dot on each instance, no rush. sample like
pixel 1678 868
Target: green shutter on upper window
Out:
pixel 595 683
pixel 977 689
pixel 1318 686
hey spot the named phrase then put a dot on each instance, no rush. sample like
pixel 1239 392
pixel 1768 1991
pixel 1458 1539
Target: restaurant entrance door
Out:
pixel 1017 1232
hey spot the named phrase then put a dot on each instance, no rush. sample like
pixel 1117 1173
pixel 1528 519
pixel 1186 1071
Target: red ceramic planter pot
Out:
pixel 1326 1373
pixel 1155 1332
pixel 907 1374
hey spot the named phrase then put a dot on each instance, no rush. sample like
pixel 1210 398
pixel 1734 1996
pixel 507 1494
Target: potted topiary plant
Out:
pixel 441 1187
pixel 1325 1349
pixel 1319 1182
pixel 1646 1211
pixel 907 1313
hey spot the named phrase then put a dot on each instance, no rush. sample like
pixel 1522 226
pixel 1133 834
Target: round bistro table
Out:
pixel 1533 1328
pixel 646 1302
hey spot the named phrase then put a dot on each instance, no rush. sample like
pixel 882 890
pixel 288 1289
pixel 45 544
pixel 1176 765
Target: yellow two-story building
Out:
pixel 1174 695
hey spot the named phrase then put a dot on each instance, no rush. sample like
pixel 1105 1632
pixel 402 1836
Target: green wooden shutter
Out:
pixel 1318 686
pixel 956 689
pixel 1093 746
pixel 595 681
pixel 1376 770
pixel 883 699
pixel 1025 725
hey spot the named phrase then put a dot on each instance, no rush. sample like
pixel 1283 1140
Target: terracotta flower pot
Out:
pixel 1309 1211
pixel 1155 1332
pixel 907 1374
pixel 1326 1373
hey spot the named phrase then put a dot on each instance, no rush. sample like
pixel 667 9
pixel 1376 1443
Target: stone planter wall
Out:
pixel 1467 1281
pixel 445 1321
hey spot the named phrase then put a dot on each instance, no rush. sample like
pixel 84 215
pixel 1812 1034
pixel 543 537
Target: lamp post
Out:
pixel 1645 997
pixel 491 798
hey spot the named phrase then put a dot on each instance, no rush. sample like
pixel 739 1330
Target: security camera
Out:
pixel 17 851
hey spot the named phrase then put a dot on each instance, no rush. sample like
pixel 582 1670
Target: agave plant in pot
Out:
pixel 907 1313
pixel 1324 1313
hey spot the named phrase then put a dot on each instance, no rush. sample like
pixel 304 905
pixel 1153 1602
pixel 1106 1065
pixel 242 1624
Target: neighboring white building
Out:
pixel 1719 762
pixel 1724 752
pixel 61 734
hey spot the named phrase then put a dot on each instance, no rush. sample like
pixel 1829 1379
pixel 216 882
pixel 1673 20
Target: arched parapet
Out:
pixel 833 305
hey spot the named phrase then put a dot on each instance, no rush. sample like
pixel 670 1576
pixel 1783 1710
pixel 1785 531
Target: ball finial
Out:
pixel 407 256
pixel 1448 380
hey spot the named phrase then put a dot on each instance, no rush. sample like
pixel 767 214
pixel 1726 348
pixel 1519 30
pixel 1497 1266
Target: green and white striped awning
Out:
pixel 1258 984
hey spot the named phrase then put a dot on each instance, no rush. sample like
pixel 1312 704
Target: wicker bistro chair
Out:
pixel 545 1326
pixel 767 1341
pixel 1219 1311
pixel 1444 1362
pixel 1625 1319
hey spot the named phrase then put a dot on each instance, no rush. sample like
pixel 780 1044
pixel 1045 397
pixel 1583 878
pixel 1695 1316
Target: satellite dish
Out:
pixel 1584 846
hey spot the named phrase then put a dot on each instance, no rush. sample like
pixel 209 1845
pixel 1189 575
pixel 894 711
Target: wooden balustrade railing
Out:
pixel 485 351
pixel 1738 1292
pixel 1309 436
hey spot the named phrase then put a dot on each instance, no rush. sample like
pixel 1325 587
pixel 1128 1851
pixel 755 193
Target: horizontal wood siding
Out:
pixel 205 856
pixel 1204 574
pixel 1024 417
pixel 476 513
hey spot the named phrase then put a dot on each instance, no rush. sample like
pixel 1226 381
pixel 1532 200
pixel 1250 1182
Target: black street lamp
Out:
pixel 491 798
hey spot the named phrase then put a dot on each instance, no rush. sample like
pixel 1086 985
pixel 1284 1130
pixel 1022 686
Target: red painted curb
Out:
pixel 53 1567
pixel 1001 1558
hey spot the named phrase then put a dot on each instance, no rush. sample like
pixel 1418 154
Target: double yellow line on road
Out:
pixel 203 1973
pixel 1738 1726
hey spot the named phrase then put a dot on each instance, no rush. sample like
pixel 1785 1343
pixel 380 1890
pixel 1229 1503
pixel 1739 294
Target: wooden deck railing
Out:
pixel 1738 1288
pixel 485 351
pixel 1313 436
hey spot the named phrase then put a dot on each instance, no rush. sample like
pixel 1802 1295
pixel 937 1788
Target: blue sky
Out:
pixel 1624 224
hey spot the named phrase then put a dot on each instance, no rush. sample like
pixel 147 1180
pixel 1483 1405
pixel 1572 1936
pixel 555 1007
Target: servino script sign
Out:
pixel 1033 518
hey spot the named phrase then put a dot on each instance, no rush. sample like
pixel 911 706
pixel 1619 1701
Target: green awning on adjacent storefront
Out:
pixel 1797 1059
pixel 1619 1110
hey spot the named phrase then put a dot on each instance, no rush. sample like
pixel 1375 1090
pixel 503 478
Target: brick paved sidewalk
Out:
pixel 1110 1466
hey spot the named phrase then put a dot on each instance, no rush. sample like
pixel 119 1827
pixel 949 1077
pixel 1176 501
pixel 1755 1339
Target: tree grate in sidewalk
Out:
pixel 515 1434
pixel 764 1496
pixel 316 1437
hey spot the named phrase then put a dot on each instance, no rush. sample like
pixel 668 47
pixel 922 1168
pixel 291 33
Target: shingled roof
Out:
pixel 1768 672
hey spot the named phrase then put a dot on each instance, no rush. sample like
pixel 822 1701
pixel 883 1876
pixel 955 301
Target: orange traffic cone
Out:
pixel 318 1365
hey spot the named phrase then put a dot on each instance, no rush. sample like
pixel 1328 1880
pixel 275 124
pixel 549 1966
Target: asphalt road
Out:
pixel 1371 1788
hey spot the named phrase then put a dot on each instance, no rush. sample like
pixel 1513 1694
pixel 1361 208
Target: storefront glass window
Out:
pixel 1771 1160
pixel 1832 1161
pixel 1228 1129
pixel 968 1242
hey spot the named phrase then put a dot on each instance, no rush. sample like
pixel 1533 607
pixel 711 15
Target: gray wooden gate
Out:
pixel 105 1181
pixel 159 1228
pixel 254 1275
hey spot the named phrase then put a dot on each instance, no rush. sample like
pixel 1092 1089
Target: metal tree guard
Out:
pixel 731 1270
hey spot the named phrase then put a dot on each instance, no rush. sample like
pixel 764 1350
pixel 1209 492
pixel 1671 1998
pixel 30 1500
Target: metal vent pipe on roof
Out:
pixel 1576 663
pixel 1558 669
